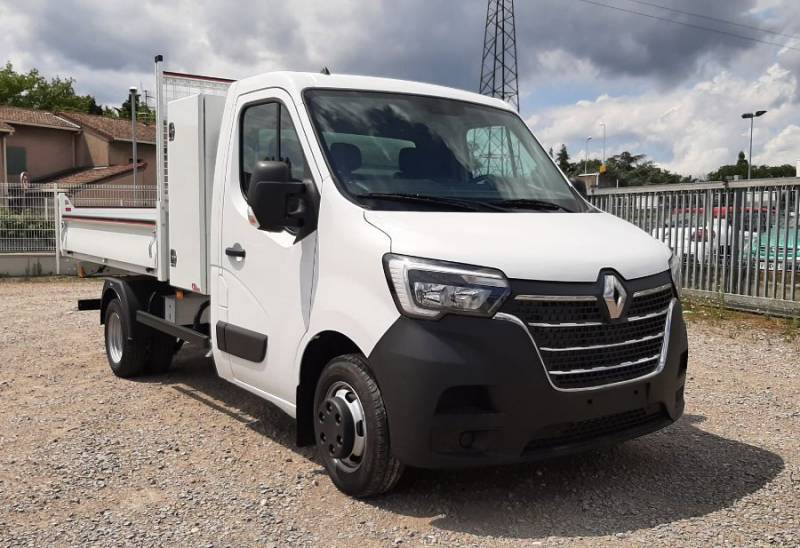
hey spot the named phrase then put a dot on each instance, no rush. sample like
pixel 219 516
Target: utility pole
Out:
pixel 133 133
pixel 751 116
pixel 499 64
pixel 604 141
pixel 498 79
pixel 586 160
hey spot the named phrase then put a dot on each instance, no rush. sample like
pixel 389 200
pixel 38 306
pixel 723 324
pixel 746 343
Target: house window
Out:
pixel 17 160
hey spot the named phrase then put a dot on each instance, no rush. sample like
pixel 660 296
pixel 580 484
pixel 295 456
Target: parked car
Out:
pixel 778 247
pixel 689 234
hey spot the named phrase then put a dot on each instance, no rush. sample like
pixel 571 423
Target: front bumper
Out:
pixel 469 391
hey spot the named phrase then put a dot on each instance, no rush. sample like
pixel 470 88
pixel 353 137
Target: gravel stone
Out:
pixel 188 459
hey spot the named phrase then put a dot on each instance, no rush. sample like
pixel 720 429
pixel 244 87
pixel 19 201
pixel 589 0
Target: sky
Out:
pixel 671 90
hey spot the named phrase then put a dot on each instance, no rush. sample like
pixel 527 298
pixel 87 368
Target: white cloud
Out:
pixel 783 148
pixel 698 128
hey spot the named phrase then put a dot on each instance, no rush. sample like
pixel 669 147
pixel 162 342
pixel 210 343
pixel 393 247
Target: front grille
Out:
pixel 591 357
pixel 580 346
pixel 584 431
pixel 588 379
pixel 606 333
pixel 651 303
pixel 558 311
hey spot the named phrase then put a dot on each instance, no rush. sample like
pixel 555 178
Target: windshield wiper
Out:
pixel 532 203
pixel 466 205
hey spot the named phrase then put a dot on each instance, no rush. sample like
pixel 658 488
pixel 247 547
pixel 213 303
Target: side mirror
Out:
pixel 580 186
pixel 277 202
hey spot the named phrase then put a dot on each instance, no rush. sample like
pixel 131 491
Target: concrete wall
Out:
pixel 33 264
pixel 48 151
pixel 91 149
pixel 120 152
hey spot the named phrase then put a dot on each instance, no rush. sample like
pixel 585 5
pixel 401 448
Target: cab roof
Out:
pixel 296 82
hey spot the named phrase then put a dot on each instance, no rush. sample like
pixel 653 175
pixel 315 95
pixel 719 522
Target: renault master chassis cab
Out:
pixel 399 266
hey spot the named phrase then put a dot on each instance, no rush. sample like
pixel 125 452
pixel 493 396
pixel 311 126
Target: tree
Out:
pixel 630 170
pixel 143 112
pixel 550 152
pixel 562 159
pixel 32 90
pixel 741 163
pixel 730 171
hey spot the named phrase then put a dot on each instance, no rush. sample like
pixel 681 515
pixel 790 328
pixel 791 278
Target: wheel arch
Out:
pixel 322 348
pixel 132 293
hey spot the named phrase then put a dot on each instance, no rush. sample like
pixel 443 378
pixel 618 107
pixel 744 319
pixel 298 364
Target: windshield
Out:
pixel 397 151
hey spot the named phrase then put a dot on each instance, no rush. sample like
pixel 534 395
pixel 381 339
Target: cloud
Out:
pixel 783 148
pixel 569 50
pixel 698 128
pixel 433 40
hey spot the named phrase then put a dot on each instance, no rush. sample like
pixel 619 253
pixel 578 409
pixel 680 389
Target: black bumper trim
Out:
pixel 417 361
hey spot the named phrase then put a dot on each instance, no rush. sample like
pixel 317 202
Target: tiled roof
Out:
pixel 114 129
pixel 31 117
pixel 93 175
pixel 6 128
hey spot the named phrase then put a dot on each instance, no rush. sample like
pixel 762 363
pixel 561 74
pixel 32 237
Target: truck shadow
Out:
pixel 678 473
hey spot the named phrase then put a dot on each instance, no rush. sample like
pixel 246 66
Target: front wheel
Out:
pixel 351 429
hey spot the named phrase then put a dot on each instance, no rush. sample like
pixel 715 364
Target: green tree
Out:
pixel 32 90
pixel 143 112
pixel 562 159
pixel 636 170
pixel 730 171
pixel 741 163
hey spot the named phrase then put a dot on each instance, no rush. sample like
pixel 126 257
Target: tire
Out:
pixel 161 350
pixel 355 450
pixel 126 357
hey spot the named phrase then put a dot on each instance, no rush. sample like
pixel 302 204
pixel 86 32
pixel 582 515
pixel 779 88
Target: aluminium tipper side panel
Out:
pixel 193 129
pixel 123 238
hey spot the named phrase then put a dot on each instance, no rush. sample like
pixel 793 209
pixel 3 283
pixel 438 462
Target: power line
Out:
pixel 690 25
pixel 717 19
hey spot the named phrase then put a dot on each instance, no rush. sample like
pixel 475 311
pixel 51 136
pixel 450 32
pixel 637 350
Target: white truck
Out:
pixel 399 266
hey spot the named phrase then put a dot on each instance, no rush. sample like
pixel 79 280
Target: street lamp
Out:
pixel 751 116
pixel 586 161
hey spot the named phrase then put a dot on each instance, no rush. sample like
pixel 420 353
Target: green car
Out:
pixel 783 244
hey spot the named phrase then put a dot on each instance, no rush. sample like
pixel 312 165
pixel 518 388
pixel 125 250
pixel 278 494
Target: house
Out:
pixel 107 142
pixel 69 150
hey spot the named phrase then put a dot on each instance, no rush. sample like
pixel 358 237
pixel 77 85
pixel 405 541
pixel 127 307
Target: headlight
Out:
pixel 423 288
pixel 675 264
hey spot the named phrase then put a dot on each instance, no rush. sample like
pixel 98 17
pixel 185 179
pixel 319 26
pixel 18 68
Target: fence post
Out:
pixel 57 231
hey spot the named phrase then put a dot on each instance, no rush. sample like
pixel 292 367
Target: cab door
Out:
pixel 268 274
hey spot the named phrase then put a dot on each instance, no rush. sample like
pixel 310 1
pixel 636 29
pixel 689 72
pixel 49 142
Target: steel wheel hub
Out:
pixel 341 429
pixel 115 337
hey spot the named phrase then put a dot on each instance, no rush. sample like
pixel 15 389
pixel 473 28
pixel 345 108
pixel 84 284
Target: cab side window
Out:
pixel 267 133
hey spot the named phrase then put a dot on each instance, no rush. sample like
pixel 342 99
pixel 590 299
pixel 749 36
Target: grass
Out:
pixel 714 311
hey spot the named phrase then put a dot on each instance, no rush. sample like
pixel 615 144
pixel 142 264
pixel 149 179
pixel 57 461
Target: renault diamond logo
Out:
pixel 614 295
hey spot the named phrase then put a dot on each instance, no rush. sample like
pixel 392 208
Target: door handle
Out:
pixel 235 251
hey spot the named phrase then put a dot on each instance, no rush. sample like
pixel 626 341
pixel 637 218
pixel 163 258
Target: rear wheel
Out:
pixel 126 356
pixel 352 430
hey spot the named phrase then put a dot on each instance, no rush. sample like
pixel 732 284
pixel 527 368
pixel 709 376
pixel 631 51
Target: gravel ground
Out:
pixel 186 459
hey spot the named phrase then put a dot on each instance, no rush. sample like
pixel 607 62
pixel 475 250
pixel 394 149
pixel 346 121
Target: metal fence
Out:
pixel 738 241
pixel 28 214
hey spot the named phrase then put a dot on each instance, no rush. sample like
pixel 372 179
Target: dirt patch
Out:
pixel 185 458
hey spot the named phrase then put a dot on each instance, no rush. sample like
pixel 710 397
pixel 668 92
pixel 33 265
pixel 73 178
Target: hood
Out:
pixel 569 247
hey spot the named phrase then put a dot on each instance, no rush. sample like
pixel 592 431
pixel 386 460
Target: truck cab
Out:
pixel 403 269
